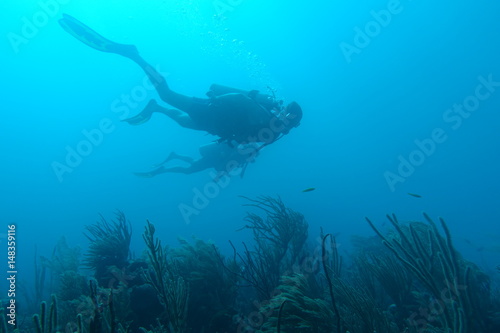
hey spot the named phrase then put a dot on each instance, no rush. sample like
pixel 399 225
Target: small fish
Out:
pixel 415 195
pixel 309 189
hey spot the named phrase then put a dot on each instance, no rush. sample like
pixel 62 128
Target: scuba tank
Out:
pixel 209 149
pixel 267 101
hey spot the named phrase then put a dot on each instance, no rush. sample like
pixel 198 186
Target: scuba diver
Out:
pixel 231 114
pixel 224 157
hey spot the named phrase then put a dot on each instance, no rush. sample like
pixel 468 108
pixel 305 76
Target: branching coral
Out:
pixel 64 264
pixel 334 265
pixel 279 236
pixel 173 290
pixel 456 286
pixel 46 323
pixel 355 309
pixel 293 310
pixel 64 258
pixel 359 311
pixel 212 288
pixel 109 245
pixel 416 283
pixel 379 273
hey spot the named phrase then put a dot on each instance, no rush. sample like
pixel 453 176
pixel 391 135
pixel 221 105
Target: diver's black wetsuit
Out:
pixel 197 107
pixel 222 157
pixel 232 116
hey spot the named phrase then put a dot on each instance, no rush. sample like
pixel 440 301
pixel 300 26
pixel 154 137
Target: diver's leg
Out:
pixel 187 159
pixel 162 169
pixel 95 40
pixel 160 83
pixel 175 156
pixel 150 174
pixel 178 116
pixel 178 169
pixel 194 167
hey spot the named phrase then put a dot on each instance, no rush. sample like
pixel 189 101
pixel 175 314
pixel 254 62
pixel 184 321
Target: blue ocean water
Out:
pixel 398 97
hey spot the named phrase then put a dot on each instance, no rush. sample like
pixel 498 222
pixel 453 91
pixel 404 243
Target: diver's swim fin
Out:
pixel 150 174
pixel 170 157
pixel 93 39
pixel 144 174
pixel 139 119
pixel 144 115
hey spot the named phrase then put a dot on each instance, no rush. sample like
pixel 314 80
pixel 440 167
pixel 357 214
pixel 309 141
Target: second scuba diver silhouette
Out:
pixel 221 156
pixel 236 116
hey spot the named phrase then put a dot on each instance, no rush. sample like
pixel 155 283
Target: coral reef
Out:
pixel 410 279
pixel 109 246
pixel 294 310
pixel 460 290
pixel 172 290
pixel 46 323
pixel 279 238
pixel 213 289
